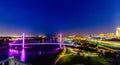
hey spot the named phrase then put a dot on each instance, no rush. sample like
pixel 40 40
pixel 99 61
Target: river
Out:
pixel 35 55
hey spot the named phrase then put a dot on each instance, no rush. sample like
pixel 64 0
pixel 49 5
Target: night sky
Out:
pixel 54 16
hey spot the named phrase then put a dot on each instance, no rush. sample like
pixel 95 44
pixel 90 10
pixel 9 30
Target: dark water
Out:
pixel 35 55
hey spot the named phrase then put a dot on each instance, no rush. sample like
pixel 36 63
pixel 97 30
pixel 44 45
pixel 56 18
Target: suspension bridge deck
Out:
pixel 35 44
pixel 15 44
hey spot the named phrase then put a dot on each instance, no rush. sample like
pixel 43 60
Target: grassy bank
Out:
pixel 82 60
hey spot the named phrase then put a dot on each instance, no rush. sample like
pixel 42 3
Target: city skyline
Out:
pixel 67 16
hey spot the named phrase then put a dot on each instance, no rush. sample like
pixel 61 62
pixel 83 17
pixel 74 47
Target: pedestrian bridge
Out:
pixel 15 44
pixel 23 42
pixel 35 44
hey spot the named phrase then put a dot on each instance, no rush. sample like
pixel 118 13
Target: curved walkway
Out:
pixel 61 55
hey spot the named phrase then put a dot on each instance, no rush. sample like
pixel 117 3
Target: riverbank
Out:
pixel 72 58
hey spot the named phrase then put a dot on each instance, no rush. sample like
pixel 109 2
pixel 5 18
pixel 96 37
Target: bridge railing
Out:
pixel 12 61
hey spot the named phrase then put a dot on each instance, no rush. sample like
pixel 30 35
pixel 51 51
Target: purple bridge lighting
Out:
pixel 60 40
pixel 23 42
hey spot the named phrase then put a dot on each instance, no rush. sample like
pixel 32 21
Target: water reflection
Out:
pixel 13 51
pixel 41 55
pixel 49 52
pixel 16 53
pixel 22 55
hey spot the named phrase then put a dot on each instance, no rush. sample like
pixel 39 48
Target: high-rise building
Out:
pixel 118 32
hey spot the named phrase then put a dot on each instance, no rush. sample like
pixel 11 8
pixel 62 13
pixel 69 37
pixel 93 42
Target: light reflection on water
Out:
pixel 14 52
pixel 22 58
pixel 39 56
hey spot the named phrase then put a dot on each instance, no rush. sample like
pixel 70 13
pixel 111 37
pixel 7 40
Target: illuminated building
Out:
pixel 110 35
pixel 101 35
pixel 118 32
